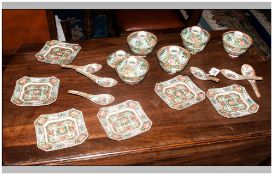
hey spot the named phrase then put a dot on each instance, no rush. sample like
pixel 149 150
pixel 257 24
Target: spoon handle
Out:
pixel 213 79
pixel 88 96
pixel 69 66
pixel 252 78
pixel 255 88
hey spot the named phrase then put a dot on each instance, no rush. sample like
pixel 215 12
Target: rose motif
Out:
pixel 253 108
pixel 74 113
pixel 146 125
pixel 102 113
pixel 210 93
pixel 41 120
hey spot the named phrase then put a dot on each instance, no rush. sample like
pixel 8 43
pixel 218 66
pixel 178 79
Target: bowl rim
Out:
pixel 133 33
pixel 146 63
pixel 232 31
pixel 183 49
pixel 195 42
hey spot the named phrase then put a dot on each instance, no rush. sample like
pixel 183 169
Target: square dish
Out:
pixel 57 52
pixel 232 101
pixel 60 130
pixel 179 92
pixel 124 120
pixel 34 91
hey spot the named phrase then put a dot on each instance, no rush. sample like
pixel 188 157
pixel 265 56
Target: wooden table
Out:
pixel 197 135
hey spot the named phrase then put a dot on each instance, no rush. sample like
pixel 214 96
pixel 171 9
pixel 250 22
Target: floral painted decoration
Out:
pixel 116 57
pixel 132 70
pixel 124 120
pixel 232 101
pixel 179 92
pixel 236 43
pixel 60 130
pixel 142 42
pixel 194 39
pixel 173 59
pixel 34 91
pixel 58 52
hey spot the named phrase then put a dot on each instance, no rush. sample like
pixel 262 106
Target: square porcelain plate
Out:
pixel 60 130
pixel 34 91
pixel 124 120
pixel 57 52
pixel 232 101
pixel 179 92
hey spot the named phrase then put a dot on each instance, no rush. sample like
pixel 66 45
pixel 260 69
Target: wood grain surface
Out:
pixel 197 135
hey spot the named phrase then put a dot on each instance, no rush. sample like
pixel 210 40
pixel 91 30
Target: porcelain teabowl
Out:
pixel 236 43
pixel 142 42
pixel 116 57
pixel 194 39
pixel 132 70
pixel 173 59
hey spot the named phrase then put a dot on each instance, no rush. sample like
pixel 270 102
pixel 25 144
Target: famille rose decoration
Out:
pixel 236 43
pixel 179 92
pixel 232 101
pixel 142 42
pixel 124 120
pixel 132 70
pixel 173 59
pixel 194 39
pixel 91 68
pixel 35 91
pixel 116 57
pixel 58 52
pixel 60 130
pixel 200 74
pixel 100 99
pixel 234 76
pixel 248 70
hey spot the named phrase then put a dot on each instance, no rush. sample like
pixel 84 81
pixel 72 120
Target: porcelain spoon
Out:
pixel 102 81
pixel 248 70
pixel 90 68
pixel 234 76
pixel 200 74
pixel 101 99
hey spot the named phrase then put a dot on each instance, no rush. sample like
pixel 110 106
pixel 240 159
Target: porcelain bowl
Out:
pixel 173 59
pixel 236 43
pixel 194 39
pixel 116 57
pixel 142 42
pixel 132 70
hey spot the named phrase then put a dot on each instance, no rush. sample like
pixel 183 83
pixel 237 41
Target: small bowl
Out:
pixel 236 43
pixel 132 70
pixel 141 43
pixel 173 59
pixel 194 39
pixel 116 57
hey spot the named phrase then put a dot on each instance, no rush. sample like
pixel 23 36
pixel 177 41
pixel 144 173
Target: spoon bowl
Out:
pixel 101 99
pixel 200 74
pixel 248 70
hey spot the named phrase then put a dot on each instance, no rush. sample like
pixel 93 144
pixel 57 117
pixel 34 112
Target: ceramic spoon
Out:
pixel 248 70
pixel 101 99
pixel 90 68
pixel 234 76
pixel 200 74
pixel 102 81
